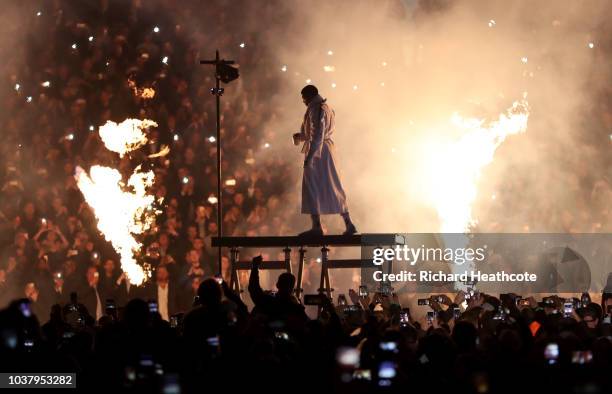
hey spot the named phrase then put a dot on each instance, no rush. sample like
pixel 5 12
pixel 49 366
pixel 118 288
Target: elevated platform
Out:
pixel 294 241
pixel 287 242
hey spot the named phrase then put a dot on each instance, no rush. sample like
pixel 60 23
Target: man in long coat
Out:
pixel 322 192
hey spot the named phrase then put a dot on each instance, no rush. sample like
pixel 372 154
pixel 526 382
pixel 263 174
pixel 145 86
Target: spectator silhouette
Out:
pixel 280 306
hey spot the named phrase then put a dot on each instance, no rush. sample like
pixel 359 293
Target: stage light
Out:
pixel 17 86
pixel 74 46
pixel 211 139
pixel 29 99
pixel 242 45
pixel 227 73
pixel 165 60
pixel 175 137
pixel 156 29
pixel 212 200
pixel 90 38
pixel 92 128
pixel 230 182
pixel 46 84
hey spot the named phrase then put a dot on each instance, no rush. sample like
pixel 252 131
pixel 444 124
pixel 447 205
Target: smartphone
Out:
pixel 24 307
pixel 404 317
pixel 523 302
pixel 387 370
pixel 219 279
pixel 423 301
pixel 213 341
pixel 281 335
pixel 585 299
pixel 153 307
pixel 568 308
pixel 430 317
pixel 551 353
pixel 362 374
pixel 313 299
pixel 386 289
pixel 363 291
pixel 582 357
pixel 173 321
pixel 388 346
pixel 348 357
pixel 110 304
pixel 456 313
pixel 342 300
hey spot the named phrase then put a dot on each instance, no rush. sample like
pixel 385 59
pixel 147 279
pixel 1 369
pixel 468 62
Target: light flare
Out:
pixel 455 169
pixel 122 212
pixel 126 136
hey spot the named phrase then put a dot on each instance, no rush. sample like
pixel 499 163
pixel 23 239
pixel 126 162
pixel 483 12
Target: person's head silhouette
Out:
pixel 209 292
pixel 308 93
pixel 285 283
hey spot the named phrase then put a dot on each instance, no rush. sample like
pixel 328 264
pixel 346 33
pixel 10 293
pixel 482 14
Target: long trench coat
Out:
pixel 322 191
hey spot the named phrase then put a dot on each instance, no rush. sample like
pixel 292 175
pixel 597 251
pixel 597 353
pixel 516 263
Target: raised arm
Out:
pixel 256 292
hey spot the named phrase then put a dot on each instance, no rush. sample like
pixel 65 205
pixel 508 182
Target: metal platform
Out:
pixel 326 240
pixel 286 242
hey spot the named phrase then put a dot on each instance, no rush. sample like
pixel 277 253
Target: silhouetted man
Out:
pixel 164 292
pixel 322 192
pixel 282 305
pixel 91 297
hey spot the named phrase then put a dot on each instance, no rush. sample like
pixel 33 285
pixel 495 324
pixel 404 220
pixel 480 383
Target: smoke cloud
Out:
pixel 395 73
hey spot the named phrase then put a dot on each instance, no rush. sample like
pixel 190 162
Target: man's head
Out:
pixel 285 283
pixel 592 315
pixel 308 93
pixel 162 274
pixel 109 266
pixel 92 276
pixel 193 257
pixel 31 291
pixel 210 292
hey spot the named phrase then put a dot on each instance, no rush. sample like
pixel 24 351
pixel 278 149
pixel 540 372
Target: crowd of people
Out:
pixel 472 343
pixel 69 306
pixel 84 64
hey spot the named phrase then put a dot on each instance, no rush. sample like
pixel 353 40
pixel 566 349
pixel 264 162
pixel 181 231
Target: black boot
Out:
pixel 316 230
pixel 350 227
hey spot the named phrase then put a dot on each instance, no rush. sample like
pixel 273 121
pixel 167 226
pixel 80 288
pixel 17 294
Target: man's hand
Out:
pixel 257 260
